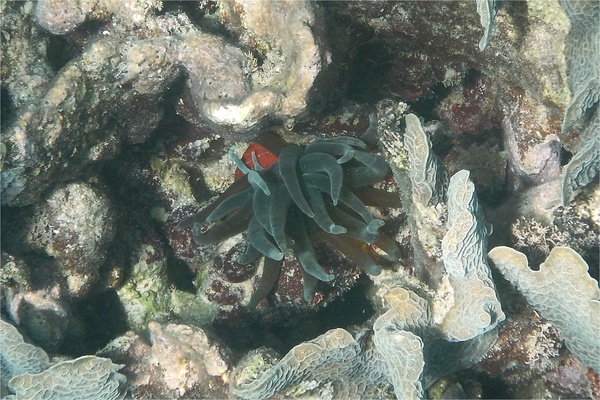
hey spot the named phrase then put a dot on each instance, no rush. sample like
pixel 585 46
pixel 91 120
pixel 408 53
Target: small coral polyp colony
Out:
pixel 314 193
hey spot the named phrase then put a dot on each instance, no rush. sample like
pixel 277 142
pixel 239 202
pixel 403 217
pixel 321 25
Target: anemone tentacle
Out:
pixel 259 239
pixel 349 140
pixel 337 149
pixel 305 253
pixel 351 248
pixel 254 178
pixel 377 197
pixel 249 255
pixel 260 204
pixel 373 170
pixel 356 228
pixel 288 166
pixel 326 163
pixel 388 245
pixel 309 284
pixel 230 204
pixel 278 211
pixel 219 232
pixel 322 218
pixel 271 270
pixel 346 196
pixel 200 217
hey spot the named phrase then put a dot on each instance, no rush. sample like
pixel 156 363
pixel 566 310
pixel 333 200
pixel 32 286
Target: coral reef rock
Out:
pixel 115 88
pixel 284 34
pixel 180 361
pixel 75 225
pixel 304 189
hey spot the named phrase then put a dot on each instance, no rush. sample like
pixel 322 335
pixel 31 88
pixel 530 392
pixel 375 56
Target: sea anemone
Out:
pixel 313 193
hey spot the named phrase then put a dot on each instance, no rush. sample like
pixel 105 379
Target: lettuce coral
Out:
pixel 87 377
pixel 585 164
pixel 338 365
pixel 427 174
pixel 487 13
pixel 404 351
pixel 18 357
pixel 582 52
pixel 476 308
pixel 563 292
pixel 27 371
pixel 334 357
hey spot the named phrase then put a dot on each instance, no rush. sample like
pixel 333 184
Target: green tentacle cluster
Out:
pixel 314 193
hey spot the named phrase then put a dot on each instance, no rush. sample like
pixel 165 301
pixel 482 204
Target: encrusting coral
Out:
pixel 311 194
